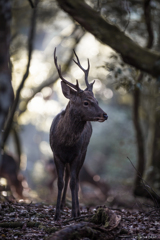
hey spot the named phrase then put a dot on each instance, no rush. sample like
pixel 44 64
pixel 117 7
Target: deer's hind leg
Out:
pixel 60 173
pixel 67 175
pixel 77 186
pixel 74 184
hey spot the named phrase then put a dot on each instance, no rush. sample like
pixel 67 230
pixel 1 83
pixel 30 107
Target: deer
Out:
pixel 9 171
pixel 70 134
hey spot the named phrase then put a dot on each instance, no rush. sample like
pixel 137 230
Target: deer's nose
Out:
pixel 105 116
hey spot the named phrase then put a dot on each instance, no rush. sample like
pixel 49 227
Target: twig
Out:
pixel 129 13
pixel 30 49
pixel 31 3
pixel 146 185
pixel 80 217
pixel 18 224
pixel 147 15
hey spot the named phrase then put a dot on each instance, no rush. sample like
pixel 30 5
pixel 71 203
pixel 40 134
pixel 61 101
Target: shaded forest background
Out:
pixel 122 41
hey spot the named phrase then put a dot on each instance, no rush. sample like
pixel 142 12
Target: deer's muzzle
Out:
pixel 105 116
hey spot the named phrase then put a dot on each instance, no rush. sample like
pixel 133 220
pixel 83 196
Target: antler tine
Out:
pixel 76 87
pixel 86 71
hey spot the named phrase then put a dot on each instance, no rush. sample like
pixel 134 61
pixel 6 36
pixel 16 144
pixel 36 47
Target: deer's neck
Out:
pixel 71 126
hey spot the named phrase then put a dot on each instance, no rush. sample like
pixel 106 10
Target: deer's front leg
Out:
pixel 67 174
pixel 77 200
pixel 74 185
pixel 60 173
pixel 77 182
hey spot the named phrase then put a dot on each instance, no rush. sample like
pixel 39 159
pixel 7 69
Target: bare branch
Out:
pixel 31 3
pixel 152 194
pixel 136 101
pixel 127 8
pixel 147 15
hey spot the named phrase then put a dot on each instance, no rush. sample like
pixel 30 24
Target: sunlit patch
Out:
pixel 68 42
pixel 36 105
pixel 39 68
pixel 33 194
pixel 77 72
pixel 26 92
pixel 47 91
pixel 4 193
pixel 122 91
pixel 20 200
pixel 96 178
pixel 23 163
pixel 45 148
pixel 39 105
pixel 24 184
pixel 67 30
pixel 97 85
pixel 108 93
pixel 3 182
pixel 38 171
pixel 89 46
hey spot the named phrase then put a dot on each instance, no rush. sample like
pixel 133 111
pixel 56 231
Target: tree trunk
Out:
pixel 140 141
pixel 6 91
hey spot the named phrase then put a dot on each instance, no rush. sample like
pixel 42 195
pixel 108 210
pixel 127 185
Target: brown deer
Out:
pixel 70 135
pixel 9 171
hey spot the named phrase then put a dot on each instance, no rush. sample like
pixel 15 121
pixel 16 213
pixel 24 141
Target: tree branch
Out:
pixel 110 35
pixel 147 15
pixel 136 104
pixel 77 36
pixel 31 3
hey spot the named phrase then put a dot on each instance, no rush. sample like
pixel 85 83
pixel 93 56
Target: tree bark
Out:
pixel 140 140
pixel 6 91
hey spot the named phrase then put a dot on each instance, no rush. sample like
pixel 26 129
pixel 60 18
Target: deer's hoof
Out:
pixel 76 214
pixel 62 207
pixel 56 217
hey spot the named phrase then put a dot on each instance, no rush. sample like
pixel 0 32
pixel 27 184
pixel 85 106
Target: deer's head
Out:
pixel 82 101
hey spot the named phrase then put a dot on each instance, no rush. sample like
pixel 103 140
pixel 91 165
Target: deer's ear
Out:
pixel 67 91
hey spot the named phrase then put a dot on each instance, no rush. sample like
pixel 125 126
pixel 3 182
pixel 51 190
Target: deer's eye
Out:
pixel 85 103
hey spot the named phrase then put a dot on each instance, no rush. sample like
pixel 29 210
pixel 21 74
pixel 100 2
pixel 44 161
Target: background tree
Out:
pixel 6 92
pixel 109 25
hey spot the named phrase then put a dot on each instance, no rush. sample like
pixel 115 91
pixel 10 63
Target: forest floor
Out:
pixel 19 220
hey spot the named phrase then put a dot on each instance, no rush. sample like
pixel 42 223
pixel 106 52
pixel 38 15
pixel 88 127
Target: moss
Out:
pixel 101 217
pixel 40 215
pixel 75 235
pixel 41 227
pixel 90 232
pixel 51 230
pixel 18 234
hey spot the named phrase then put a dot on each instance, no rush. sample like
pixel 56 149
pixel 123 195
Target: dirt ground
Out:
pixel 19 220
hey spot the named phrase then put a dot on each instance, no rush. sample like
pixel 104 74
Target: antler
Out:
pixel 86 71
pixel 76 87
